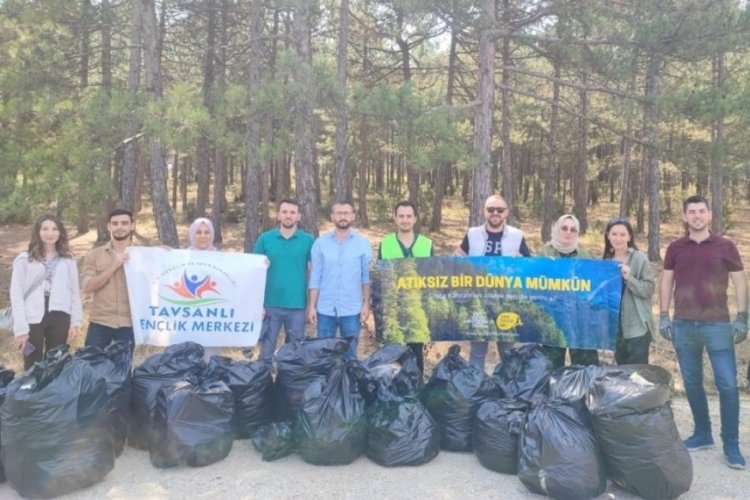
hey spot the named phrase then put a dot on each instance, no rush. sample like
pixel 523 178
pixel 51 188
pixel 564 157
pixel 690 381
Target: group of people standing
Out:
pixel 326 282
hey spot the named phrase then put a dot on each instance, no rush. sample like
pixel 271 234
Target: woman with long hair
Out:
pixel 636 326
pixel 564 245
pixel 44 292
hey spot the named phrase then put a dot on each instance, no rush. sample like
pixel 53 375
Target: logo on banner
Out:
pixel 508 321
pixel 194 291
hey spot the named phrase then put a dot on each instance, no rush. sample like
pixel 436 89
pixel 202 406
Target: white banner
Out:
pixel 212 298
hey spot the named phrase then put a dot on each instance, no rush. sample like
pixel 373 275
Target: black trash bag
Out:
pixel 6 376
pixel 398 364
pixel 523 372
pixel 453 395
pixel 254 395
pixel 192 424
pixel 54 439
pixel 557 452
pixel 496 432
pixel 332 420
pixel 299 364
pixel 400 429
pixel 635 427
pixel 56 352
pixel 575 381
pixel 275 440
pixel 113 364
pixel 173 365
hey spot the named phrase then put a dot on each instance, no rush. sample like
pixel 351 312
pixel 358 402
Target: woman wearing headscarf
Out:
pixel 201 237
pixel 564 245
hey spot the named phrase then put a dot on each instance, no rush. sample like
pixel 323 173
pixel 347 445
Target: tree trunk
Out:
pixel 717 145
pixel 102 219
pixel 341 174
pixel 480 182
pixel 165 224
pixel 129 177
pixel 443 170
pixel 203 160
pixel 184 175
pixel 304 120
pixel 175 178
pixel 364 141
pixel 549 174
pixel 506 166
pixel 651 134
pixel 219 199
pixel 82 226
pixel 252 157
pixel 580 167
pixel 626 200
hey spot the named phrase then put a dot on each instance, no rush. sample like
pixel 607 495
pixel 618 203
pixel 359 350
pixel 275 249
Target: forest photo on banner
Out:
pixel 563 302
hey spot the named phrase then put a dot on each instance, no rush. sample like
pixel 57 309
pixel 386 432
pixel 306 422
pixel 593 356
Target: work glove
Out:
pixel 739 327
pixel 665 326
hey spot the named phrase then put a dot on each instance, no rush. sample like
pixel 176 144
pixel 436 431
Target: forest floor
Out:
pixel 451 475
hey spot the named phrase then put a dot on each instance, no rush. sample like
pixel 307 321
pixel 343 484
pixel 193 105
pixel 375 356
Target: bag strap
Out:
pixel 48 271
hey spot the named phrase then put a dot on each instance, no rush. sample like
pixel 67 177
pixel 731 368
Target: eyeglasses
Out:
pixel 569 229
pixel 495 210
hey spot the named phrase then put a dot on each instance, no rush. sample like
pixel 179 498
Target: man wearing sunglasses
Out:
pixel 493 238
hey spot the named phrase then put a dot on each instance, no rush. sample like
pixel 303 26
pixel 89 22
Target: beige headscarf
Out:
pixel 555 241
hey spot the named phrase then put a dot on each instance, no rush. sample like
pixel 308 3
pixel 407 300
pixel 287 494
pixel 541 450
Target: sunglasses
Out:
pixel 568 229
pixel 495 210
pixel 618 220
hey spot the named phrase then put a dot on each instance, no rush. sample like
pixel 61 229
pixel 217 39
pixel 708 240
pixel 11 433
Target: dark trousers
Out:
pixel 50 333
pixel 418 349
pixel 101 336
pixel 633 351
pixel 583 357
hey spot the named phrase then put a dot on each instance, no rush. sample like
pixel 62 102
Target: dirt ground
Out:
pixel 451 475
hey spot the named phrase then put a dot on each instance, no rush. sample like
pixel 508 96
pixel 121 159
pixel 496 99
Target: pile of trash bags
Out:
pixel 192 423
pixel 56 437
pixel 453 396
pixel 6 375
pixel 565 432
pixel 332 410
pixel 635 428
pixel 400 429
pixel 113 364
pixel 176 363
pixel 562 432
pixel 252 386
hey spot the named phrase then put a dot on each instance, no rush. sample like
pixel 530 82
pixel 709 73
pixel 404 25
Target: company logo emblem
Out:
pixel 191 290
pixel 508 321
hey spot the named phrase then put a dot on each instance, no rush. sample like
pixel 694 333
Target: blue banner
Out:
pixel 558 302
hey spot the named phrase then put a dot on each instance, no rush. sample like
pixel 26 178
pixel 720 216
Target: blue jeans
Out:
pixel 101 335
pixel 348 325
pixel 690 338
pixel 478 352
pixel 293 321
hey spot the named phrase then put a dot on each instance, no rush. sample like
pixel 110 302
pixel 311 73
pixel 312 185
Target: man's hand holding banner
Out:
pixel 562 302
pixel 213 298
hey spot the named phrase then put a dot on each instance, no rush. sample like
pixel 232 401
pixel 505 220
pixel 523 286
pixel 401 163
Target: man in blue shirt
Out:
pixel 339 289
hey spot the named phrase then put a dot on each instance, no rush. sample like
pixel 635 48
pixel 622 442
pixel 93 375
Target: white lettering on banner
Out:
pixel 213 298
